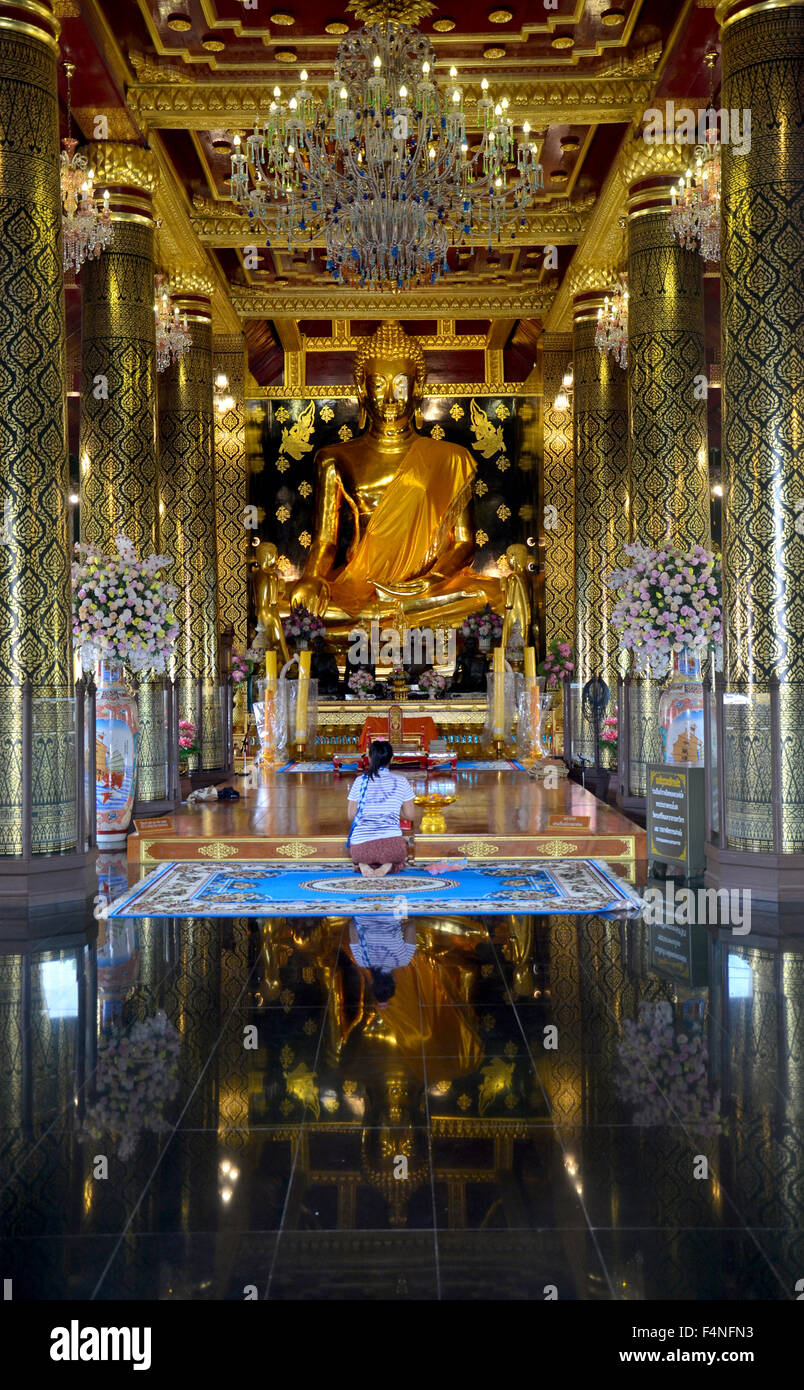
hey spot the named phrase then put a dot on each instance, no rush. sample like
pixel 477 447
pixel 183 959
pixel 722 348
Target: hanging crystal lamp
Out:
pixel 611 333
pixel 695 210
pixel 385 170
pixel 173 338
pixel 87 226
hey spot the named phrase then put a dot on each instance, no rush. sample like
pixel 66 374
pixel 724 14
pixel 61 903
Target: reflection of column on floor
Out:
pixel 518 949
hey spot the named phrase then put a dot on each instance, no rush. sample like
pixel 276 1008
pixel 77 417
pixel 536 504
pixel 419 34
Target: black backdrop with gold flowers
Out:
pixel 285 435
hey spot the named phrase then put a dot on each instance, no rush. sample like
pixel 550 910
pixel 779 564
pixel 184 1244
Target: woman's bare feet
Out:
pixel 366 871
pixel 382 870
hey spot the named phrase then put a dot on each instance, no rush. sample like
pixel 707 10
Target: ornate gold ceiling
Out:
pixel 184 77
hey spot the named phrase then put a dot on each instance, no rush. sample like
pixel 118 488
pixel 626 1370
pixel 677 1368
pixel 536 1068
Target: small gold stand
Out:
pixel 433 822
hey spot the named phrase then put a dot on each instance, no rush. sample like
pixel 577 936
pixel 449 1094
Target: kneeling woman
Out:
pixel 376 800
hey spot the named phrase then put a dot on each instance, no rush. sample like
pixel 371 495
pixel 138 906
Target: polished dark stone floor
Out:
pixel 471 1140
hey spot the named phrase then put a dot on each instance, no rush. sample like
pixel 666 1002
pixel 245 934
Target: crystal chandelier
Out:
pixel 383 170
pixel 611 333
pixel 87 225
pixel 172 335
pixel 695 210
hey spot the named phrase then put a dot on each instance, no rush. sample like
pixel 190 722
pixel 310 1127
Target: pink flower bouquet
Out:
pixel 557 664
pixel 667 601
pixel 123 608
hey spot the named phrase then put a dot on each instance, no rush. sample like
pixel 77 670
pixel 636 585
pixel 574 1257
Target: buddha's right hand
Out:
pixel 312 594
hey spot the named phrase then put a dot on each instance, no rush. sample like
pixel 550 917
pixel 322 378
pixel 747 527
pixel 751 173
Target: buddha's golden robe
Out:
pixel 410 529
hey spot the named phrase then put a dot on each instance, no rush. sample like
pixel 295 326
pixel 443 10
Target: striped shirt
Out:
pixel 385 795
pixel 381 943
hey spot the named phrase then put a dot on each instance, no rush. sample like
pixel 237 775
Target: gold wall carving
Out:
pixel 168 102
pixel 558 490
pixel 217 223
pixel 117 451
pixel 35 632
pixel 601 511
pixel 763 471
pixel 187 530
pixel 509 301
pixel 669 463
pixel 231 489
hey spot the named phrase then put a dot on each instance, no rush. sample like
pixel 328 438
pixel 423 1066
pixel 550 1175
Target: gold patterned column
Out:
pixel 231 488
pixel 558 491
pixel 668 457
pixel 187 516
pixel 601 505
pixel 668 460
pixel 118 348
pixel 35 627
pixel 762 249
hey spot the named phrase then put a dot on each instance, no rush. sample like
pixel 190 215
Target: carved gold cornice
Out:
pixel 170 102
pixel 582 279
pixel 434 342
pixel 563 223
pixel 118 165
pixel 601 247
pixel 641 161
pixel 191 282
pixel 438 391
pixel 178 245
pixel 333 301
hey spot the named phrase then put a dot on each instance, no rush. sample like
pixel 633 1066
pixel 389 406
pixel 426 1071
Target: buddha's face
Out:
pixel 391 392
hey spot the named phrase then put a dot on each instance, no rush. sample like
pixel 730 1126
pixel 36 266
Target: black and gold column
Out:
pixel 118 444
pixel 231 485
pixel 35 627
pixel 118 454
pixel 187 517
pixel 668 459
pixel 762 249
pixel 600 412
pixel 558 493
pixel 668 453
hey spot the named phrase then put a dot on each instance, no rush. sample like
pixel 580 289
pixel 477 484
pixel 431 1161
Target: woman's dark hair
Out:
pixel 380 755
pixel 383 986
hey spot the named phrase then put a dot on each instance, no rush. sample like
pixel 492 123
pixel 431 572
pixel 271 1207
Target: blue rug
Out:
pixel 333 889
pixel 349 762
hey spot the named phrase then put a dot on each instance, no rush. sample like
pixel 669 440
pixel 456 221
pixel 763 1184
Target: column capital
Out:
pixel 130 172
pixel 649 172
pixel 590 279
pixel 33 18
pixel 192 292
pixel 727 12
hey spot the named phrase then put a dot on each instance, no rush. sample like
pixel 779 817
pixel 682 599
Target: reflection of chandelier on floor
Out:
pixel 172 334
pixel 695 211
pixel 383 169
pixel 87 225
pixel 611 333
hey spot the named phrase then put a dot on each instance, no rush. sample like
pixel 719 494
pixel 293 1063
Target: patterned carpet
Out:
pixel 330 889
pixel 349 764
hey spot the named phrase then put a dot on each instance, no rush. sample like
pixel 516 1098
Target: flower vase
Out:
pixel 431 694
pixel 303 644
pixel 484 643
pixel 681 711
pixel 116 747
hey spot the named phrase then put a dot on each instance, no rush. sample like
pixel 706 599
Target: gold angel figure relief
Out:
pixel 488 437
pixel 297 440
pixel 497 1077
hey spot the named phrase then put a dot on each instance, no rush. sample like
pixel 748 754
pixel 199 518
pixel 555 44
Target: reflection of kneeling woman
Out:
pixel 380 942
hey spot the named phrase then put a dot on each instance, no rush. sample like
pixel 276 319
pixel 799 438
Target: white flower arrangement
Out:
pixel 668 601
pixel 122 608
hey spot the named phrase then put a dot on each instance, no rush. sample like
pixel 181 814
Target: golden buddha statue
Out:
pixel 267 584
pixel 410 498
pixel 516 595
